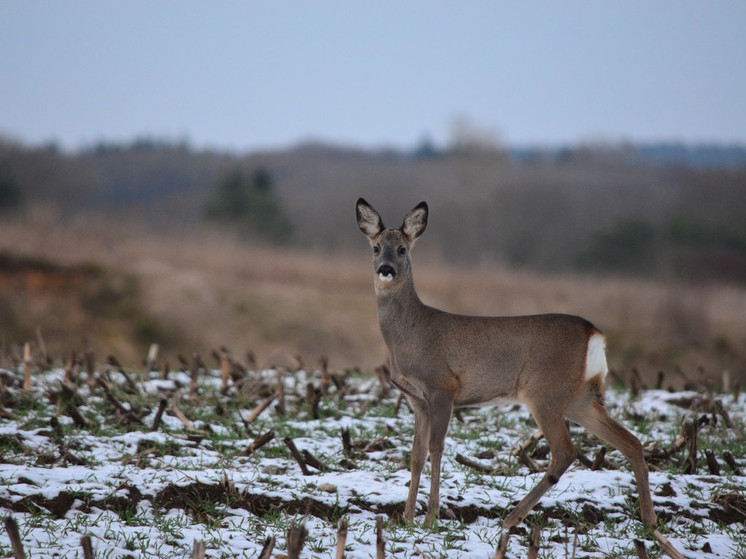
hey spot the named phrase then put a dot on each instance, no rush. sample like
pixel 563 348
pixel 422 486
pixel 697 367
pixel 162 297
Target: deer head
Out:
pixel 391 247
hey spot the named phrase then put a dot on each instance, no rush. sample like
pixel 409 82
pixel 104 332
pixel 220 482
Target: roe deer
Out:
pixel 553 363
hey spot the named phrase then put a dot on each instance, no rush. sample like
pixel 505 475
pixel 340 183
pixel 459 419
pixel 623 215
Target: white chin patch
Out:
pixel 385 278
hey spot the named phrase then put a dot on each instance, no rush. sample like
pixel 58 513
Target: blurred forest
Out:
pixel 117 246
pixel 653 211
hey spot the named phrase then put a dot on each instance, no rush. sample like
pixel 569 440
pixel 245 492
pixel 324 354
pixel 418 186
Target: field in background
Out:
pixel 608 208
pixel 117 289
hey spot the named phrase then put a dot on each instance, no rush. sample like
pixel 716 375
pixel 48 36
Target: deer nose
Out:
pixel 386 271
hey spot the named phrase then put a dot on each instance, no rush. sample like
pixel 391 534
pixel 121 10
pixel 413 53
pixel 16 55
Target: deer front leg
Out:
pixel 418 456
pixel 440 409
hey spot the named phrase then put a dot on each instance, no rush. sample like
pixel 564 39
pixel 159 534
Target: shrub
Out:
pixel 10 192
pixel 248 204
pixel 628 246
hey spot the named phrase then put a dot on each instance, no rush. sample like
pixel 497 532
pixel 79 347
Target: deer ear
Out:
pixel 415 222
pixel 368 219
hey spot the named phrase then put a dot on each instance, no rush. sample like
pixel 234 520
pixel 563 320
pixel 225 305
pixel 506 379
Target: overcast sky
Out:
pixel 248 75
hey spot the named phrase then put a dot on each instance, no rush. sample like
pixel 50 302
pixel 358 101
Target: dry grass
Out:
pixel 206 292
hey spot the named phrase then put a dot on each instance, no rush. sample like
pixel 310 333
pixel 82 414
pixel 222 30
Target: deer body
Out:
pixel 555 364
pixel 485 360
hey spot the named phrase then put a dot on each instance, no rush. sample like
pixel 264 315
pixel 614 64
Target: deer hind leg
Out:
pixel 419 454
pixel 589 412
pixel 552 424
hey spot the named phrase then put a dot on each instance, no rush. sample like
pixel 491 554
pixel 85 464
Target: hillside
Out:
pixel 108 249
pixel 115 290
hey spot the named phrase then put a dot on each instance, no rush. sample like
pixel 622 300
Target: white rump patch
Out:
pixel 385 277
pixel 595 359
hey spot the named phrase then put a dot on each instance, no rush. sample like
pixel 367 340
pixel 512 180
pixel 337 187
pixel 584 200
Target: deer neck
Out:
pixel 399 309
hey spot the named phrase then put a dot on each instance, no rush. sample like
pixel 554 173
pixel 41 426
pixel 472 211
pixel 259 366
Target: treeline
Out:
pixel 598 208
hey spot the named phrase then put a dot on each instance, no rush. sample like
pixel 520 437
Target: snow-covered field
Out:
pixel 144 493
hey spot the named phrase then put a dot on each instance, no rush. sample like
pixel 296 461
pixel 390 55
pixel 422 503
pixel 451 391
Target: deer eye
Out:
pixel 376 249
pixel 402 251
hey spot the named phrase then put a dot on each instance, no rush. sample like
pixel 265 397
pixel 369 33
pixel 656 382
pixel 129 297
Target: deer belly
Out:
pixel 409 386
pixel 479 401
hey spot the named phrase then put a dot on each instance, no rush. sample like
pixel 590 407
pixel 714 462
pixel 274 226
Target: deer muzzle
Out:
pixel 386 273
